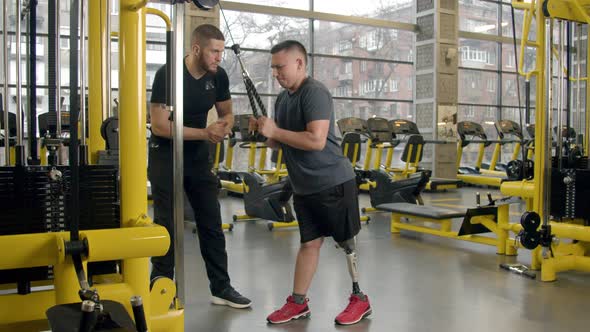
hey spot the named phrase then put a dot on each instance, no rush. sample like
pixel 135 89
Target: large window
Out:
pixel 487 82
pixel 336 55
pixel 395 10
pixel 381 85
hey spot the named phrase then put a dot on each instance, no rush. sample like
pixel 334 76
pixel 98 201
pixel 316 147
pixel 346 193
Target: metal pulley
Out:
pixel 109 130
pixel 574 157
pixel 530 221
pixel 517 170
pixel 529 236
pixel 205 4
pixel 529 240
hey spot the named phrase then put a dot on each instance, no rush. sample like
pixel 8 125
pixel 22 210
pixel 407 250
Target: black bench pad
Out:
pixel 424 211
pixel 441 181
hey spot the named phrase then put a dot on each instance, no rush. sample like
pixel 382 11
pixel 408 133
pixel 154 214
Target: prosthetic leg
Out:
pixel 358 307
pixel 349 247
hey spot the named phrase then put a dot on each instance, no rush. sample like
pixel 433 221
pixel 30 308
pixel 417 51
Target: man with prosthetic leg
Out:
pixel 325 192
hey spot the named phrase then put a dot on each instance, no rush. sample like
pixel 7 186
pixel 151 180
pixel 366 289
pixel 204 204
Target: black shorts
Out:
pixel 332 212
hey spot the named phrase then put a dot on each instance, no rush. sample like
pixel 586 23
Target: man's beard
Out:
pixel 207 68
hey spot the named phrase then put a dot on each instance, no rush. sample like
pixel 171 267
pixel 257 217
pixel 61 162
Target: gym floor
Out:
pixel 415 282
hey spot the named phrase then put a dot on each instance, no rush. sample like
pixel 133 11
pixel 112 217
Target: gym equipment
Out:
pixel 53 212
pixel 267 201
pixel 8 124
pixel 492 218
pixel 109 130
pixel 381 138
pixel 382 187
pixel 230 180
pixel 471 132
pixel 509 132
pixel 519 269
pixel 560 173
pixel 263 199
pixel 404 128
pixel 354 132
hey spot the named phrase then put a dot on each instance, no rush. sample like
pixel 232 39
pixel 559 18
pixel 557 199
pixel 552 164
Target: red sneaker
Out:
pixel 356 310
pixel 289 312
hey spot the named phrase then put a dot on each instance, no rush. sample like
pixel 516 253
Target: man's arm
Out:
pixel 225 114
pixel 161 125
pixel 312 139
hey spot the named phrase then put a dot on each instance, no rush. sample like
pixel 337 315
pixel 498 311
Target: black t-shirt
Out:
pixel 199 97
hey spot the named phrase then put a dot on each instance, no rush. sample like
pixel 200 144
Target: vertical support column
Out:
pixel 586 118
pixel 132 124
pixel 503 232
pixel 96 78
pixel 540 112
pixel 177 89
pixel 6 91
pixel 540 123
pixel 436 80
pixel 195 17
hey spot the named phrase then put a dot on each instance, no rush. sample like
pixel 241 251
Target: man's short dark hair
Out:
pixel 289 45
pixel 205 32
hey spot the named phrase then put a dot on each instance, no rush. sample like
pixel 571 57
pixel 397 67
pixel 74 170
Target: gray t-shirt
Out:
pixel 311 171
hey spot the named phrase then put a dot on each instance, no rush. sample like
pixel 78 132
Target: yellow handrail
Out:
pixel 161 14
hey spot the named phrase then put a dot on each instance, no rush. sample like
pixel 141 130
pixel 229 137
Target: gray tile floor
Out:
pixel 415 282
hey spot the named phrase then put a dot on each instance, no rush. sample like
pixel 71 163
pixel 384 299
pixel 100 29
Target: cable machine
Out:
pixel 557 224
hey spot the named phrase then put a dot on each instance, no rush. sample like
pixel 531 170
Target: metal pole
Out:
pixel 82 76
pixel 6 90
pixel 578 75
pixel 109 109
pixel 96 77
pixel 568 82
pixel 559 145
pixel 26 101
pixel 549 111
pixel 132 148
pixel 32 75
pixel 178 142
pixel 19 115
pixel 58 72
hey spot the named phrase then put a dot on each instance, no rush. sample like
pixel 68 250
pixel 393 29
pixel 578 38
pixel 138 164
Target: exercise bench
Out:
pixel 479 220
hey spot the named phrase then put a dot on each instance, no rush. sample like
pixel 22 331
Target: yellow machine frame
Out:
pixel 145 239
pixel 477 179
pixel 500 227
pixel 562 256
pixel 271 175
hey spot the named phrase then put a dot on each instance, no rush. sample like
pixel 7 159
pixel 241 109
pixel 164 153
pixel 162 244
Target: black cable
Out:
pixel 250 88
pixel 568 83
pixel 74 114
pixel 226 24
pixel 52 66
pixel 33 149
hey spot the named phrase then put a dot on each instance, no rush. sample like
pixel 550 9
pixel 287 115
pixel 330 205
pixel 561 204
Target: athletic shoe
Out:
pixel 289 312
pixel 232 298
pixel 356 310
